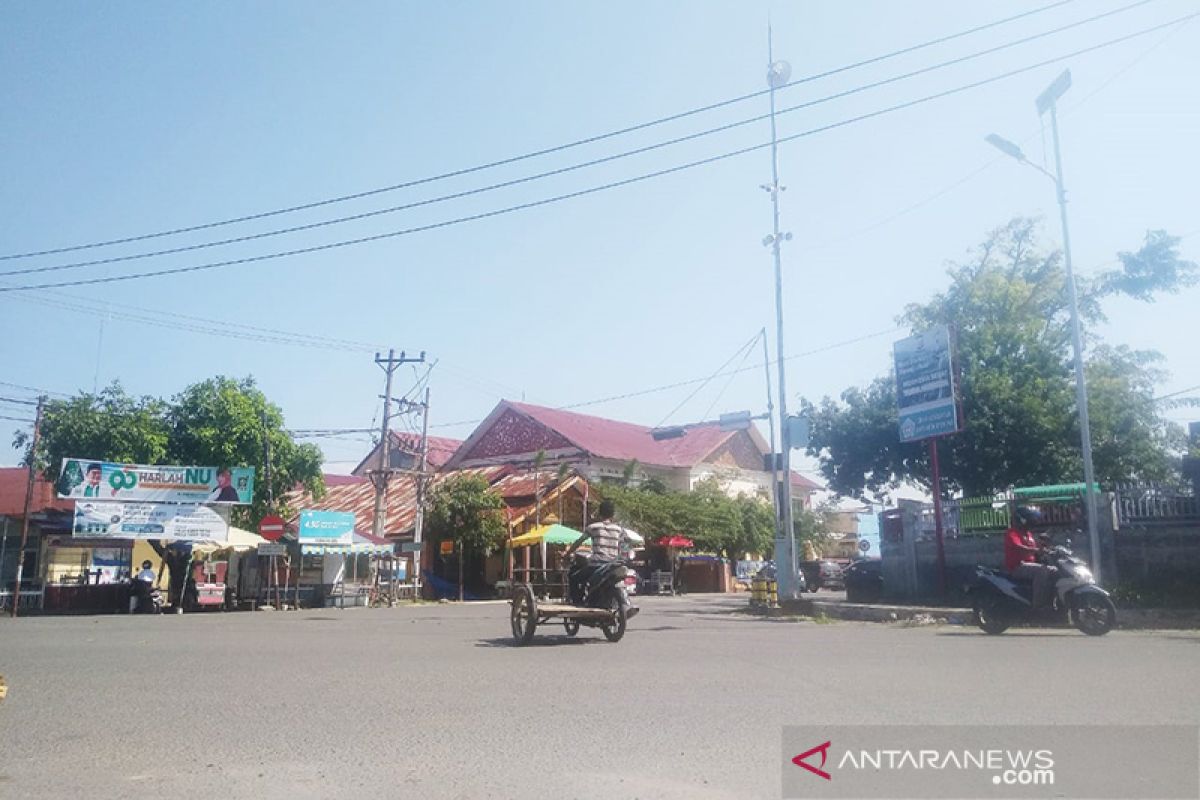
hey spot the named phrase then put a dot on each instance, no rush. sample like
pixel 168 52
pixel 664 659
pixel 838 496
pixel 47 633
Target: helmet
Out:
pixel 1028 516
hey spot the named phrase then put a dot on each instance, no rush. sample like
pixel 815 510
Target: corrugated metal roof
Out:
pixel 517 489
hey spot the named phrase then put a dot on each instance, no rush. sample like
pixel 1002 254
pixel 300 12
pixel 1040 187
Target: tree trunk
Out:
pixel 460 574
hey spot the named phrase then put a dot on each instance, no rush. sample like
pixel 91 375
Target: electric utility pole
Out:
pixel 33 453
pixel 379 477
pixel 422 485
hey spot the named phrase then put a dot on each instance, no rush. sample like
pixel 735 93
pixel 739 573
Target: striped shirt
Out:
pixel 606 539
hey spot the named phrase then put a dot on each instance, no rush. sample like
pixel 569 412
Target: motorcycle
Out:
pixel 998 601
pixel 599 585
pixel 145 597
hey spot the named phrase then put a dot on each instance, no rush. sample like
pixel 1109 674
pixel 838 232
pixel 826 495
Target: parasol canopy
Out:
pixel 550 534
pixel 675 541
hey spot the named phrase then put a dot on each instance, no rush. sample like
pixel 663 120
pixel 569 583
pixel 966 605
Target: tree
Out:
pixel 1007 306
pixel 110 425
pixel 465 510
pixel 218 422
pixel 716 522
pixel 222 422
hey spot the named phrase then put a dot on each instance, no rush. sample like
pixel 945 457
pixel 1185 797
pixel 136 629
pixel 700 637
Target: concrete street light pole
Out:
pixel 1048 101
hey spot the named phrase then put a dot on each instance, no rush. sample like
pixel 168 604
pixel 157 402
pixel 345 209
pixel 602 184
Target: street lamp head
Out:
pixel 778 74
pixel 1046 100
pixel 1005 146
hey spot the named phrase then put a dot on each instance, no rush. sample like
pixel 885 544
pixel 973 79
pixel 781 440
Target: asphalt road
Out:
pixel 433 701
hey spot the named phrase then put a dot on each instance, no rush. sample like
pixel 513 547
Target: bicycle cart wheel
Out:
pixel 524 615
pixel 571 626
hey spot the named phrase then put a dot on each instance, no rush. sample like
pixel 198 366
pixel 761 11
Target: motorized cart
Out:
pixel 527 614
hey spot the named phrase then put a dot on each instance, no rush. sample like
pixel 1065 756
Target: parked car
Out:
pixel 864 580
pixel 831 575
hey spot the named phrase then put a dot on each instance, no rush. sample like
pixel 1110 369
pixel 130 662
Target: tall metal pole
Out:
pixel 33 451
pixel 1081 398
pixel 785 539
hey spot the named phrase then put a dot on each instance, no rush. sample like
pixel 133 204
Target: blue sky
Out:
pixel 128 118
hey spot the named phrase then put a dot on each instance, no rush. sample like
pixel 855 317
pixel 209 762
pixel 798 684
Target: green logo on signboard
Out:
pixel 123 480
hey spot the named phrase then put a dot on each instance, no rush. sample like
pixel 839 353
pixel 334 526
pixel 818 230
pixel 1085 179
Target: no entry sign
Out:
pixel 271 527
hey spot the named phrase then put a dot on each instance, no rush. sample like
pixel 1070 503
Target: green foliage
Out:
pixel 1008 308
pixel 110 425
pixel 717 523
pixel 218 422
pixel 464 509
pixel 221 421
pixel 1155 267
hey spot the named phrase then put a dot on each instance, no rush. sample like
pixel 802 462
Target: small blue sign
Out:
pixel 326 527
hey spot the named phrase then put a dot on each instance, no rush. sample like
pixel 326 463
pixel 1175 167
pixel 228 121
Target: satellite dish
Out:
pixel 778 74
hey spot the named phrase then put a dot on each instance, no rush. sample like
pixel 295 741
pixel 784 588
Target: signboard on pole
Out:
pixel 272 549
pixel 271 527
pixel 925 386
pixel 84 479
pixel 326 527
pixel 186 522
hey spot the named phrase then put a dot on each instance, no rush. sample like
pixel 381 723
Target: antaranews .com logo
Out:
pixel 936 761
pixel 1007 767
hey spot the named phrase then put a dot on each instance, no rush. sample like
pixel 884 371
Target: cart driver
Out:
pixel 607 537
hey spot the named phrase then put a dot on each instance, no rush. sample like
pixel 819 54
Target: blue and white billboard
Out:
pixel 326 527
pixel 925 386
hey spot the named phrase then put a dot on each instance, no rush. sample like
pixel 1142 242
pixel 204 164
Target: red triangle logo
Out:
pixel 823 749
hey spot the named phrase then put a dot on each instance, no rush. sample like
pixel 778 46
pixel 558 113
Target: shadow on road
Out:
pixel 1038 632
pixel 538 641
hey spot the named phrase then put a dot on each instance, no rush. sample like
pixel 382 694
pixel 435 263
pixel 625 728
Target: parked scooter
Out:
pixel 999 601
pixel 144 596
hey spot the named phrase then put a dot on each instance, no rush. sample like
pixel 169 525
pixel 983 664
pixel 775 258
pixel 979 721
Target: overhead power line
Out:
pixel 33 389
pixel 572 167
pixel 604 187
pixel 694 381
pixel 538 153
pixel 1176 394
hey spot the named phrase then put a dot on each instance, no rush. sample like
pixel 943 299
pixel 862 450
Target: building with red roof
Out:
pixel 405 453
pixel 603 449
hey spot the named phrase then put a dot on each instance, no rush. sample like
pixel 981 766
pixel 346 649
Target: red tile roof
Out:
pixel 13 482
pixel 342 480
pixel 802 482
pixel 439 448
pixel 625 441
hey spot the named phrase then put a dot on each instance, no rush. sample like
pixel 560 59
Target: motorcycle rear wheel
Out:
pixel 613 631
pixel 1094 614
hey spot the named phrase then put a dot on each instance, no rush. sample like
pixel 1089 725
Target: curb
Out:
pixel 1127 618
pixel 921 615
